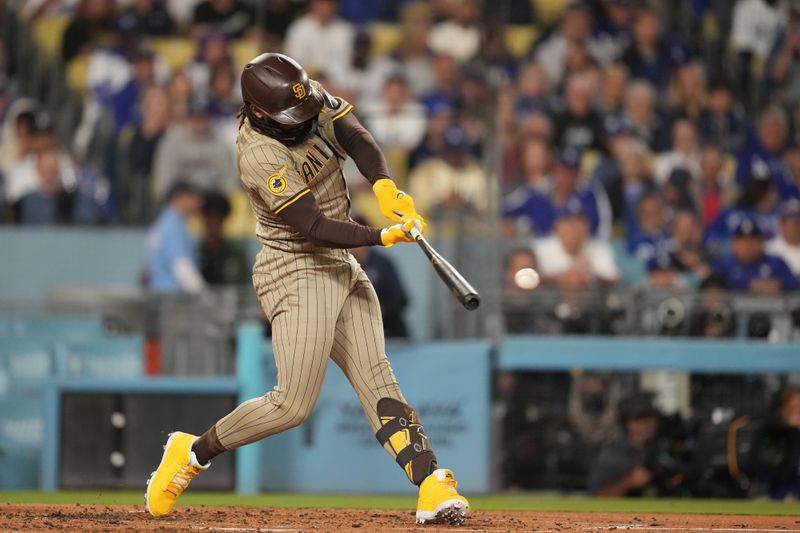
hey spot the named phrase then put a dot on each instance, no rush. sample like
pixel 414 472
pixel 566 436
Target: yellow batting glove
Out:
pixel 399 232
pixel 393 203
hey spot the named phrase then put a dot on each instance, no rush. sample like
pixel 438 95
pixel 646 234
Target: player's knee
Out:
pixel 297 414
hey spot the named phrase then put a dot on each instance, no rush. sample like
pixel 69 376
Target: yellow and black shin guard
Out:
pixel 400 427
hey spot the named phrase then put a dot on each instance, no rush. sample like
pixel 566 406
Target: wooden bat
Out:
pixel 460 287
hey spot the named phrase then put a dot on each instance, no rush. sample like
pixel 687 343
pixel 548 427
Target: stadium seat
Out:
pixel 175 51
pixel 48 32
pixel 78 74
pixel 548 11
pixel 243 50
pixel 385 38
pixel 520 38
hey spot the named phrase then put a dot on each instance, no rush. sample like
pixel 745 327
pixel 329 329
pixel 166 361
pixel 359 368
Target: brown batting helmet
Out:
pixel 278 86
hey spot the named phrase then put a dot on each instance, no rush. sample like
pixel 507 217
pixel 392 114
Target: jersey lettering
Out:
pixel 313 164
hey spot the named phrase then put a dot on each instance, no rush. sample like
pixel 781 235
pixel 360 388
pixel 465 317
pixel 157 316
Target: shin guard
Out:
pixel 400 427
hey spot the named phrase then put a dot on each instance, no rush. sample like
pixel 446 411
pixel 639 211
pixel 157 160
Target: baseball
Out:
pixel 527 279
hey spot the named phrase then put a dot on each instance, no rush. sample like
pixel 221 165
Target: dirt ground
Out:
pixel 112 519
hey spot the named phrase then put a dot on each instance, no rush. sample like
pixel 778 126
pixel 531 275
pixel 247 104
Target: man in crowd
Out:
pixel 619 469
pixel 171 250
pixel 748 268
pixel 786 244
pixel 222 260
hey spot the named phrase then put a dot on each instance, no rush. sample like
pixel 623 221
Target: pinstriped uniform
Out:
pixel 319 301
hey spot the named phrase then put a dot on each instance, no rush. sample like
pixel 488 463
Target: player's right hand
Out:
pixel 399 232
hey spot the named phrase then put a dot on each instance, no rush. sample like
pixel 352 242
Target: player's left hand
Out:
pixel 399 232
pixel 394 203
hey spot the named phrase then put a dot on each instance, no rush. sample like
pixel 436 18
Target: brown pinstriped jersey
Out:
pixel 275 176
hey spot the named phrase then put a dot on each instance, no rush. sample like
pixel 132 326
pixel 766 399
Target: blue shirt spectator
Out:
pixel 758 203
pixel 721 123
pixel 763 157
pixel 171 250
pixel 748 268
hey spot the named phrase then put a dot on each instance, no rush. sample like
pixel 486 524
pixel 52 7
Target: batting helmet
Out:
pixel 279 87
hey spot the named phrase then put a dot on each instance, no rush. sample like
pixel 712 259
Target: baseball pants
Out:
pixel 319 309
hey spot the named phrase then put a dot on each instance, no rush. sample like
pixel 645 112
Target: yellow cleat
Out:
pixel 439 502
pixel 177 468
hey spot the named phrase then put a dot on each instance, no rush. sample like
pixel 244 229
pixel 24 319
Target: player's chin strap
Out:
pixel 400 427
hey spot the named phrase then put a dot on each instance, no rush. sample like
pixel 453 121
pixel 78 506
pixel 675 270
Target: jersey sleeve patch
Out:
pixel 276 183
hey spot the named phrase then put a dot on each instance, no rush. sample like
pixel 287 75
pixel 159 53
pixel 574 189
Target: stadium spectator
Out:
pixel 533 90
pixel 686 246
pixel 138 145
pixel 180 94
pixel 518 311
pixel 191 150
pixel 786 244
pixel 578 126
pixel 172 262
pixel 566 188
pixel 680 192
pixel 447 77
pixel 224 96
pixel 453 182
pixel 574 31
pixel 684 153
pixel 717 186
pixel 233 18
pixel 22 178
pixel 432 144
pixel 411 58
pixel 614 30
pixel 631 180
pixel 687 94
pixel 212 53
pixel 647 57
pixel 783 68
pixel 276 18
pixel 222 260
pixel 748 268
pixel 322 42
pixel 722 122
pixel 757 201
pixel 18 133
pixel 58 198
pixel 614 82
pixel 763 158
pixel 641 118
pixel 570 259
pixel 592 407
pixel 459 35
pixel 527 209
pixel 791 188
pixel 755 25
pixel 397 121
pixel 389 287
pixel 662 273
pixel 619 468
pixel 651 237
pixel 146 17
pixel 91 24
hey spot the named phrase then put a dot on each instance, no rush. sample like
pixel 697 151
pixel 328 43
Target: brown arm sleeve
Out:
pixel 361 146
pixel 304 216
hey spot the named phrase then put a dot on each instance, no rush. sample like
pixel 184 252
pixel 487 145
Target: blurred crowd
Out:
pixel 602 132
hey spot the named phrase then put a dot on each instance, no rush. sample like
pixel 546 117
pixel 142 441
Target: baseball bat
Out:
pixel 460 287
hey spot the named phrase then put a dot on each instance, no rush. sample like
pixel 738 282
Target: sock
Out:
pixel 207 446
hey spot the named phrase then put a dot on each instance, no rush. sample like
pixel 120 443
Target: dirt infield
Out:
pixel 227 519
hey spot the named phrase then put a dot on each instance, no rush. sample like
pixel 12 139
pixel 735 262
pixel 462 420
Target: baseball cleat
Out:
pixel 177 468
pixel 439 502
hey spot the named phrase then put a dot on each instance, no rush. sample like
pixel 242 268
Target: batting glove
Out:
pixel 395 205
pixel 399 232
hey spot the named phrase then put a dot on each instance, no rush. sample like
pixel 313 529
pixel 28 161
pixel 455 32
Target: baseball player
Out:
pixel 293 140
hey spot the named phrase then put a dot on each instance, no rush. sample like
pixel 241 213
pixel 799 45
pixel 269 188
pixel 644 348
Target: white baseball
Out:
pixel 527 279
